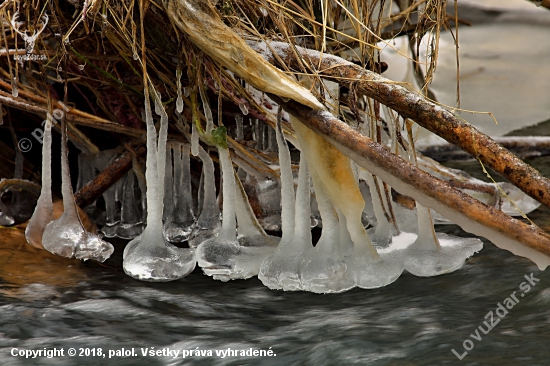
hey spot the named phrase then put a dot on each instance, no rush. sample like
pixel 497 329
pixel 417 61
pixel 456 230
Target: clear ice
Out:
pixel 282 269
pixel 432 253
pixel 131 223
pixel 208 224
pixel 66 236
pixel 179 224
pixel 227 256
pixel 149 257
pixel 43 212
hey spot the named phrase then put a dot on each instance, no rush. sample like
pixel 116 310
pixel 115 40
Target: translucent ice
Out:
pixel 282 269
pixel 43 212
pixel 382 234
pixel 434 253
pixel 131 224
pixel 66 236
pixel 208 224
pixel 332 173
pixel 326 269
pixel 179 100
pixel 215 255
pixel 149 257
pixel 178 225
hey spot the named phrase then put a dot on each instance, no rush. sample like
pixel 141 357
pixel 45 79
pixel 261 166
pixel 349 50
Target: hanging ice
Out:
pixel 332 171
pixel 226 256
pixel 178 225
pixel 381 236
pixel 43 212
pixel 213 254
pixel 434 253
pixel 66 236
pixel 283 268
pixel 149 257
pixel 179 100
pixel 131 224
pixel 208 224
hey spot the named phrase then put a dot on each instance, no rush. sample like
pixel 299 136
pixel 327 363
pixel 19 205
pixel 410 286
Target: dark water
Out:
pixel 414 321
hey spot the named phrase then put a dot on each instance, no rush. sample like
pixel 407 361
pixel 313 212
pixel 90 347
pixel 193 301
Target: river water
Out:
pixel 48 302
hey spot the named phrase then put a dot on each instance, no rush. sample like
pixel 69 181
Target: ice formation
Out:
pixel 149 257
pixel 225 256
pixel 131 224
pixel 66 236
pixel 434 253
pixel 43 212
pixel 332 174
pixel 282 269
pixel 179 223
pixel 208 224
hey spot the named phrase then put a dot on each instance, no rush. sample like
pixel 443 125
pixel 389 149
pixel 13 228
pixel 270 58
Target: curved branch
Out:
pixel 424 112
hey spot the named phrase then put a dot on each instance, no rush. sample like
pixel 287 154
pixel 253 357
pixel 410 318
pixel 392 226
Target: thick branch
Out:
pixel 472 215
pixel 427 114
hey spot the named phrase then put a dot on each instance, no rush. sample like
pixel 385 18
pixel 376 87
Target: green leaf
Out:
pixel 219 136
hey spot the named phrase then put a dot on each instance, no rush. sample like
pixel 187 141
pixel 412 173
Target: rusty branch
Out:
pixel 469 213
pixel 424 112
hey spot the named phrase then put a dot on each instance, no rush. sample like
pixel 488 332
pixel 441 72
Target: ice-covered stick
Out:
pixel 424 112
pixel 504 231
pixel 43 212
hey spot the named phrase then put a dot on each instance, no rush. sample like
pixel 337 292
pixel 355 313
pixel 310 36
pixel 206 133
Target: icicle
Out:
pixel 168 185
pixel 434 253
pixel 43 212
pixel 243 108
pixel 208 223
pixel 282 269
pixel 149 257
pixel 179 225
pixel 382 235
pixel 131 224
pixel 214 255
pixel 179 100
pixel 239 135
pixel 111 213
pixel 207 111
pixel 66 236
pixel 194 140
pixel 332 170
pixel 186 92
pixel 14 87
pixel 326 269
